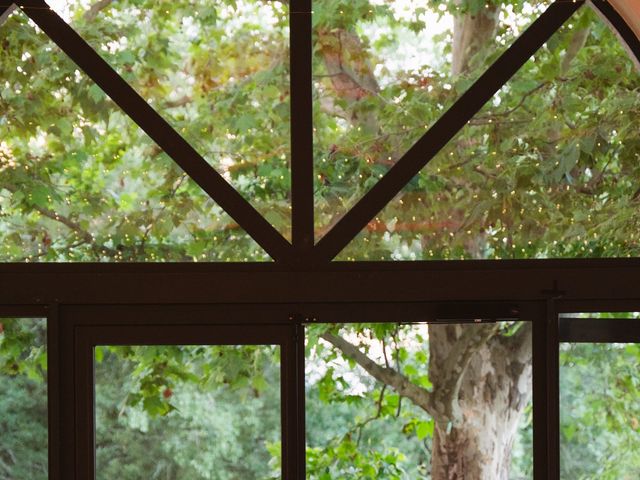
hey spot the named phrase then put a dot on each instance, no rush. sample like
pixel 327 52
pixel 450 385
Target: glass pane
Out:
pixel 386 71
pixel 599 411
pixel 389 401
pixel 188 412
pixel 603 315
pixel 23 399
pixel 547 169
pixel 80 181
pixel 217 71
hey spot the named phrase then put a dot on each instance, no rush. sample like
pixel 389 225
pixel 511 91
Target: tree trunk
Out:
pixel 472 34
pixel 473 440
pixel 464 454
pixel 351 76
pixel 481 381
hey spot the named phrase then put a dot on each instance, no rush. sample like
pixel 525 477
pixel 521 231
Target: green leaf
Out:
pixel 39 196
pixel 425 429
pixel 99 353
pixel 96 94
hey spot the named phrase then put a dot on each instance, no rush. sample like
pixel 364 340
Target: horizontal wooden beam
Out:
pixel 438 281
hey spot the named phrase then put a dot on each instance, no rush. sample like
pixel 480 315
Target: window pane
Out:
pixel 547 169
pixel 217 71
pixel 80 181
pixel 23 399
pixel 419 401
pixel 599 410
pixel 386 71
pixel 602 315
pixel 188 412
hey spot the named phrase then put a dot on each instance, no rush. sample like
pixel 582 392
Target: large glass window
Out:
pixel 599 361
pixel 155 131
pixel 80 181
pixel 196 412
pixel 176 393
pixel 23 399
pixel 546 169
pixel 419 401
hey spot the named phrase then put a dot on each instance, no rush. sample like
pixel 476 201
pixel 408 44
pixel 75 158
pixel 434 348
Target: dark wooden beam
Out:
pixel 491 280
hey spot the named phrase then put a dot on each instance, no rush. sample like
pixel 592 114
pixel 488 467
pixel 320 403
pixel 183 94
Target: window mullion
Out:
pixel 301 127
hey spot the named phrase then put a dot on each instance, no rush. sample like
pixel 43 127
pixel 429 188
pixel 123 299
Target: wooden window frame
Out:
pixel 303 285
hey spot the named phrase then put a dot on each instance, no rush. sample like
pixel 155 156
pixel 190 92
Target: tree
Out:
pixel 546 191
pixel 471 396
pixel 202 412
pixel 545 169
pixel 598 412
pixel 23 393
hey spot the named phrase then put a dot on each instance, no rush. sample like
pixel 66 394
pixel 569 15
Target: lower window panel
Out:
pixel 419 401
pixel 23 399
pixel 599 411
pixel 187 412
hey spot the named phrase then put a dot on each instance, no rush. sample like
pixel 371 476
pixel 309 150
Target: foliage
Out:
pixel 23 348
pixel 23 428
pixel 23 399
pixel 211 421
pixel 599 414
pixel 547 168
pixel 80 181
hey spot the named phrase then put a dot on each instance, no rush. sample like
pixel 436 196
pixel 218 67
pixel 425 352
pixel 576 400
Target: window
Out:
pixel 177 180
pixel 23 396
pixel 598 391
pixel 393 401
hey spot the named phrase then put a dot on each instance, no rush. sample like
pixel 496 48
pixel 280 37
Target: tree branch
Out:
pixel 95 9
pixel 361 426
pixel 388 376
pixel 66 221
pixel 578 41
pixel 85 236
pixel 479 119
pixel 70 224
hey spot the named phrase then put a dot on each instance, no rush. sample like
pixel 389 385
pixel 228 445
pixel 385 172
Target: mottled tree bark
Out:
pixel 471 35
pixel 481 384
pixel 475 431
pixel 350 74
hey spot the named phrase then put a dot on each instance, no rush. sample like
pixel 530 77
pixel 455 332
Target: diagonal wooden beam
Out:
pixel 158 129
pixel 451 122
